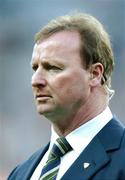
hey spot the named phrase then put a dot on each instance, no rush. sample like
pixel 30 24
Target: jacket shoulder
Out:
pixel 26 169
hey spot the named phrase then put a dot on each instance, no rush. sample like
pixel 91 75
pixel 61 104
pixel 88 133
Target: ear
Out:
pixel 96 74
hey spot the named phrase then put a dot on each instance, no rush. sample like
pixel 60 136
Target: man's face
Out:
pixel 60 83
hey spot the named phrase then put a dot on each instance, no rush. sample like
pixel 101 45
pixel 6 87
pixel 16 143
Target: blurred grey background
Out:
pixel 22 131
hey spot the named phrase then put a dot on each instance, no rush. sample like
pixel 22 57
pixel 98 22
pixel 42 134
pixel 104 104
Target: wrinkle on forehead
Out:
pixel 64 38
pixel 47 45
pixel 61 42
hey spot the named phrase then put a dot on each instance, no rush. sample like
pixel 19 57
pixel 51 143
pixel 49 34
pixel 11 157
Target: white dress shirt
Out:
pixel 78 139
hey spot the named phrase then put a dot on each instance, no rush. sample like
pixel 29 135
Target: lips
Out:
pixel 42 97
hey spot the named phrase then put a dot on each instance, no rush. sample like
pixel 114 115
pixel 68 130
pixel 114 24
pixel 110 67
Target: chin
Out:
pixel 50 114
pixel 44 111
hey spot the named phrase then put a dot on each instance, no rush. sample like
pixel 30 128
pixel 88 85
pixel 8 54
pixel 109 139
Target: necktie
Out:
pixel 59 149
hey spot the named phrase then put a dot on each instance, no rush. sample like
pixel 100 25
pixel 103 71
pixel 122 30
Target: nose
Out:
pixel 38 79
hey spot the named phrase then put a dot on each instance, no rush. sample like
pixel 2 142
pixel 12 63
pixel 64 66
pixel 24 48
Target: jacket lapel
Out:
pixel 88 163
pixel 95 156
pixel 33 163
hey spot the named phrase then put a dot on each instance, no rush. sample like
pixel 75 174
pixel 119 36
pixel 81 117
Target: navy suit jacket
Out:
pixel 105 154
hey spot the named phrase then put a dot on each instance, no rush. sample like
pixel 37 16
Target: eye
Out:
pixel 50 67
pixel 34 67
pixel 55 68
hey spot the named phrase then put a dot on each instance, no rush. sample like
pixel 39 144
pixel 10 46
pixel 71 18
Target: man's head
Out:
pixel 72 62
pixel 95 43
pixel 60 83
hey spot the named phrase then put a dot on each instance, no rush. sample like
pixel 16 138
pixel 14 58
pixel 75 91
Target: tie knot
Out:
pixel 61 147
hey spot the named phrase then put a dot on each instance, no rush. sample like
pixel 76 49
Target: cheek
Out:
pixel 70 86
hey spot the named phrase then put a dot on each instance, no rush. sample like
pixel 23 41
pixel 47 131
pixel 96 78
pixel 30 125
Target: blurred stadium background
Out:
pixel 22 131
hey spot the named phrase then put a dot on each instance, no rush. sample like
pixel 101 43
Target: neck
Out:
pixel 95 104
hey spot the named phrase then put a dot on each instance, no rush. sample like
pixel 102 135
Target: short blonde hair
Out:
pixel 95 42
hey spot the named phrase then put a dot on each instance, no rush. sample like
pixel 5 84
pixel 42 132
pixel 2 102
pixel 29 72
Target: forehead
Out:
pixel 60 42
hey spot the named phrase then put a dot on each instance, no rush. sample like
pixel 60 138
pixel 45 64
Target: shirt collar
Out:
pixel 81 137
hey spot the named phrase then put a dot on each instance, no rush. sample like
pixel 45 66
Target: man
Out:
pixel 73 62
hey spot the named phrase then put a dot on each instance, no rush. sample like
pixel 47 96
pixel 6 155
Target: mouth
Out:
pixel 42 97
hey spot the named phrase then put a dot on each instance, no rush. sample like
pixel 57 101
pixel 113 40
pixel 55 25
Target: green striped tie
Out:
pixel 59 149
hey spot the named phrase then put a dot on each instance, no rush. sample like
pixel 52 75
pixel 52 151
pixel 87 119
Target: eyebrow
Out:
pixel 46 62
pixel 52 61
